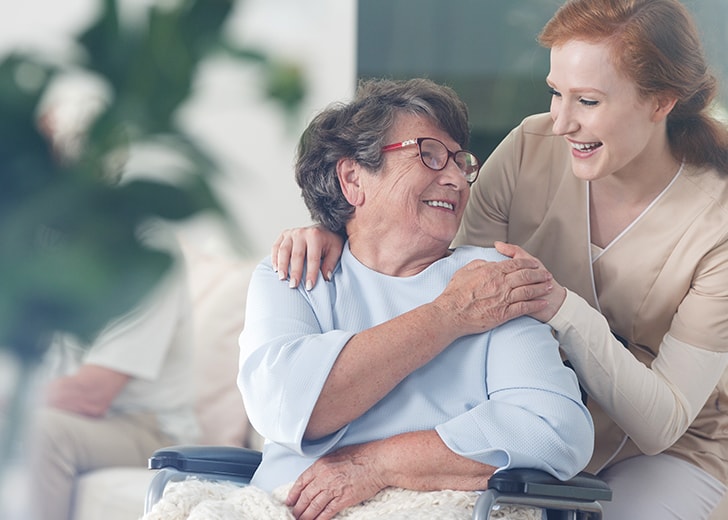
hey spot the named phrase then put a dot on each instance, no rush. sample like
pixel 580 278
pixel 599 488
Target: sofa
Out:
pixel 218 286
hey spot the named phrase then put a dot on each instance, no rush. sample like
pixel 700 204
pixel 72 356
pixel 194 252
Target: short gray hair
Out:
pixel 358 130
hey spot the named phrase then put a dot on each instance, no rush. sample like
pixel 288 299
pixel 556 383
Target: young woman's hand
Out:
pixel 553 298
pixel 316 245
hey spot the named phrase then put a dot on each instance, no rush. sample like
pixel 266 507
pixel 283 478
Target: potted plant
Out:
pixel 70 253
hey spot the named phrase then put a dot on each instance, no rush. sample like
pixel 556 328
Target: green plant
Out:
pixel 70 254
pixel 70 257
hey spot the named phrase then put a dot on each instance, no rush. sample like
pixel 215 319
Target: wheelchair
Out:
pixel 575 499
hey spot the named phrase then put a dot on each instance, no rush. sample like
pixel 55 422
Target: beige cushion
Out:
pixel 219 286
pixel 112 494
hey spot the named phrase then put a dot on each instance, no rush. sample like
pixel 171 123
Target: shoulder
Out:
pixel 533 145
pixel 539 138
pixel 711 184
pixel 531 162
pixel 538 125
pixel 464 254
pixel 702 194
pixel 442 270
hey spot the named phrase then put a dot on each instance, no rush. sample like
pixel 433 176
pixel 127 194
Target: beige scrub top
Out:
pixel 662 282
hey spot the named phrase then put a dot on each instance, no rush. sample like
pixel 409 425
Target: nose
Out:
pixel 562 117
pixel 452 175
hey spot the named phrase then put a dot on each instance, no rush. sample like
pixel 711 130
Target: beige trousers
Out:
pixel 66 445
pixel 660 487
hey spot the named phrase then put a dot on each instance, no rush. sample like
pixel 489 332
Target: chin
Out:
pixel 586 173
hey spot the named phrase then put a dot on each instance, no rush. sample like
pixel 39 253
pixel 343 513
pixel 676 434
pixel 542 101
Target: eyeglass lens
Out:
pixel 435 154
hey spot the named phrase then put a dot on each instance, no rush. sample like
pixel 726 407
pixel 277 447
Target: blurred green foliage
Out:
pixel 70 254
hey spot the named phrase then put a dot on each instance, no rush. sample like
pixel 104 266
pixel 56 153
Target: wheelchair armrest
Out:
pixel 583 486
pixel 535 488
pixel 178 463
pixel 216 460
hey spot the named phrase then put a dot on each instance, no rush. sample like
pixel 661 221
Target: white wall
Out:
pixel 249 136
pixel 258 144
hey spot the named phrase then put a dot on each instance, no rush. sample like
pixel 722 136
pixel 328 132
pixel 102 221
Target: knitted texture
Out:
pixel 195 499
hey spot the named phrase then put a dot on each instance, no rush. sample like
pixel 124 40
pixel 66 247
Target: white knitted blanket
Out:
pixel 195 499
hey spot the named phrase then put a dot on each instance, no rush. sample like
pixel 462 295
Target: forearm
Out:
pixel 416 460
pixel 373 362
pixel 654 406
pixel 90 391
pixel 421 461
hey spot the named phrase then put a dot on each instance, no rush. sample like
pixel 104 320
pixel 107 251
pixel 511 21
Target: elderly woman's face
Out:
pixel 410 200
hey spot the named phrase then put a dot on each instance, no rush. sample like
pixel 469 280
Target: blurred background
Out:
pixel 251 137
pixel 243 117
pixel 485 49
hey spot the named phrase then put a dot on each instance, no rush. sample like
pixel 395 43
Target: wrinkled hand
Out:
pixel 334 482
pixel 482 295
pixel 321 247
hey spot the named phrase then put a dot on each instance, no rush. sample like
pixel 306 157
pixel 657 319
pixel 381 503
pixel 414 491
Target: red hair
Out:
pixel 656 44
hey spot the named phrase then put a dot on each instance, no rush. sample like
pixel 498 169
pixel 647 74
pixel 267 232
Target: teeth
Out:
pixel 585 147
pixel 440 204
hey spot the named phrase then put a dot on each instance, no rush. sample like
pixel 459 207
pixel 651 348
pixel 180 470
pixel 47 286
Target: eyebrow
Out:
pixel 578 90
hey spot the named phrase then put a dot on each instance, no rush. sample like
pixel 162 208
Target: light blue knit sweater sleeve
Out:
pixel 533 416
pixel 288 347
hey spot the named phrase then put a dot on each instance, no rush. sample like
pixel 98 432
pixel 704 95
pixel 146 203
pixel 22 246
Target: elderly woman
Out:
pixel 379 378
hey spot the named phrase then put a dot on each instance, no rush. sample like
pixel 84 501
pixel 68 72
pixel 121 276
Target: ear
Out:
pixel 664 103
pixel 348 171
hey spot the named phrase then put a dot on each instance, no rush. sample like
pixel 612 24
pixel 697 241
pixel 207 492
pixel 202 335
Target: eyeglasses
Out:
pixel 434 154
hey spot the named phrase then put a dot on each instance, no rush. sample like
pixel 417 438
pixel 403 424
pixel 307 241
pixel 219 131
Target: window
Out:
pixel 487 51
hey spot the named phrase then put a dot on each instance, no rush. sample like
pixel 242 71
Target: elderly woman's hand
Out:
pixel 315 244
pixel 334 482
pixel 417 460
pixel 482 295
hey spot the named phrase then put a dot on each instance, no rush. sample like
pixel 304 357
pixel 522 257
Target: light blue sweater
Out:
pixel 503 397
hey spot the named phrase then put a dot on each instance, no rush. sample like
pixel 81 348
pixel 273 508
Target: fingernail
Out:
pixel 281 276
pixel 328 276
pixel 309 285
pixel 293 283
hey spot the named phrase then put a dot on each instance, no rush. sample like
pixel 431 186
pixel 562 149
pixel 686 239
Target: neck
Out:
pixel 615 203
pixel 400 260
pixel 640 182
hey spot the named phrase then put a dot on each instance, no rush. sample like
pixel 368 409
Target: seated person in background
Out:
pixel 115 402
pixel 385 376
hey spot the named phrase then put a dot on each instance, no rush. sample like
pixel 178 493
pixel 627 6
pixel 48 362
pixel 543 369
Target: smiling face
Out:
pixel 408 210
pixel 612 130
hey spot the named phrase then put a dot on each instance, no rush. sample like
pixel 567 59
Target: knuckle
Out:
pixel 298 253
pixel 296 232
pixel 321 500
pixel 284 245
pixel 330 510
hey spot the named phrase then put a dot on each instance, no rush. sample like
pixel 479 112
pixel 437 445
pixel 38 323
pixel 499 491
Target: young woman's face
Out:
pixel 611 129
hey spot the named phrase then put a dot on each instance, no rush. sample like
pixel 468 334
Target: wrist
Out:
pixel 558 296
pixel 442 322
